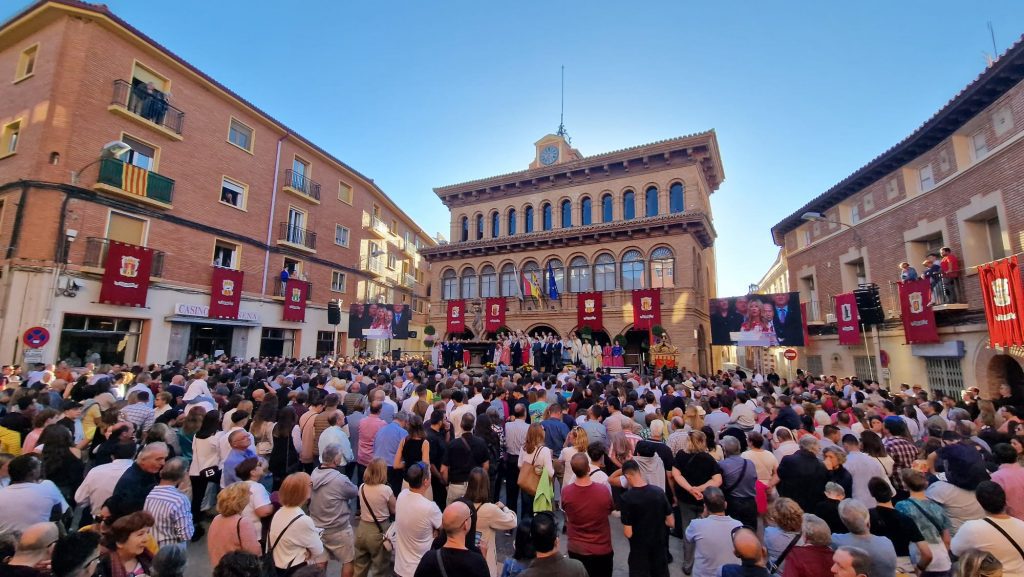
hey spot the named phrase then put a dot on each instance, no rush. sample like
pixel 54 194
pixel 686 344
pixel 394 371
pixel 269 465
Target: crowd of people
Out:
pixel 400 466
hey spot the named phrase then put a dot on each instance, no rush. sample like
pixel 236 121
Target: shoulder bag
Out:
pixel 385 537
pixel 267 566
pixel 773 566
pixel 727 491
pixel 529 478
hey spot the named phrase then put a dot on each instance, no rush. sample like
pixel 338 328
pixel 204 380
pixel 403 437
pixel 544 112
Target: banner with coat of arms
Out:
pixel 456 316
pixel 847 319
pixel 494 317
pixel 126 274
pixel 225 293
pixel 918 316
pixel 1002 291
pixel 295 301
pixel 589 311
pixel 646 309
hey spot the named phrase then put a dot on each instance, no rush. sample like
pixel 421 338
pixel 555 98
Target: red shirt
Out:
pixel 587 510
pixel 807 561
pixel 950 266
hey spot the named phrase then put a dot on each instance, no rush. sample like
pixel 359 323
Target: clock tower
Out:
pixel 553 149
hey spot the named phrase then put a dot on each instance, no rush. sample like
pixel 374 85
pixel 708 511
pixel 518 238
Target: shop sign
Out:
pixel 203 311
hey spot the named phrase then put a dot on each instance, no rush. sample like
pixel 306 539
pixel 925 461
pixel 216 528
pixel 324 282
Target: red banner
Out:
pixel 295 300
pixel 588 311
pixel 646 308
pixel 918 315
pixel 225 293
pixel 847 319
pixel 495 315
pixel 126 275
pixel 1004 298
pixel 456 316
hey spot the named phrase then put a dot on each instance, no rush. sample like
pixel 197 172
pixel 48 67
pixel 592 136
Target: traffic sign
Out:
pixel 36 337
pixel 790 354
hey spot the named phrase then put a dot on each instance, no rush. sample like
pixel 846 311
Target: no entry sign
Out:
pixel 790 354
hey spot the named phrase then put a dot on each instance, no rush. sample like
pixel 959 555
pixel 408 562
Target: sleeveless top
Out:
pixel 412 451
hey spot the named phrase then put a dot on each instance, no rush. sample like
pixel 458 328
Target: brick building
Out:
pixel 209 181
pixel 631 219
pixel 956 181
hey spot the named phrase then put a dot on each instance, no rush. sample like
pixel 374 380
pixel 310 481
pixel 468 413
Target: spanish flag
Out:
pixel 531 287
pixel 134 179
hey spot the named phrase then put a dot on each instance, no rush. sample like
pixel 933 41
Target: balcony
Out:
pixel 374 265
pixel 408 281
pixel 149 109
pixel 96 257
pixel 296 237
pixel 280 286
pixel 818 312
pixel 409 249
pixel 376 226
pixel 949 296
pixel 301 186
pixel 134 182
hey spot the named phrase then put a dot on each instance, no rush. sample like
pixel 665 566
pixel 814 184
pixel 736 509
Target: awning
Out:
pixel 208 321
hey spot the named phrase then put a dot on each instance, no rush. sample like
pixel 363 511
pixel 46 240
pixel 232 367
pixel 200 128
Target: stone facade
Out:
pixel 667 244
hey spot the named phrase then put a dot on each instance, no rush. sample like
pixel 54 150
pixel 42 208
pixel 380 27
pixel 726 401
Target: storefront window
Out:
pixel 100 340
pixel 277 342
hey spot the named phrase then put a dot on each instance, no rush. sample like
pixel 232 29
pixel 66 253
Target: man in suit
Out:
pixel 457 353
pixel 400 322
pixel 356 320
pixel 722 321
pixel 556 354
pixel 446 355
pixel 516 352
pixel 538 353
pixel 788 327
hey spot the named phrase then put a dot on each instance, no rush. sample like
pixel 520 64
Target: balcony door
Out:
pixel 296 226
pixel 300 171
pixel 141 154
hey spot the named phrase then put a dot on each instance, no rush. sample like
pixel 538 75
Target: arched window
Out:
pixel 663 268
pixel 632 270
pixel 604 273
pixel 465 229
pixel 675 198
pixel 479 226
pixel 495 225
pixel 651 201
pixel 511 221
pixel 606 208
pixel 558 271
pixel 468 283
pixel 546 217
pixel 449 285
pixel 585 211
pixel 509 283
pixel 579 275
pixel 566 214
pixel 528 219
pixel 488 282
pixel 628 205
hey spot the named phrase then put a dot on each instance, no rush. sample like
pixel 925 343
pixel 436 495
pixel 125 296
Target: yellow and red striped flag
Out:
pixel 134 179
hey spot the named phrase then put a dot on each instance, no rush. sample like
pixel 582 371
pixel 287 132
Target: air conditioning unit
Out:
pixel 830 318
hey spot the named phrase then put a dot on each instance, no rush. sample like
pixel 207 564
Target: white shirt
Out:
pixel 300 538
pixel 416 519
pixel 205 453
pixel 979 534
pixel 785 449
pixel 475 400
pixel 198 388
pixel 258 497
pixel 455 418
pixel 863 468
pixel 99 483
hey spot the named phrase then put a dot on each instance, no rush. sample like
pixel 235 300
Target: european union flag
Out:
pixel 552 285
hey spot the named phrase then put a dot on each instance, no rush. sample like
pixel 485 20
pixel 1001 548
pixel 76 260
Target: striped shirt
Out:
pixel 172 511
pixel 139 415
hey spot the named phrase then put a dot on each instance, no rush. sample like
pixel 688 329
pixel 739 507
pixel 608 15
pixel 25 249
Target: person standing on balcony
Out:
pixel 933 272
pixel 950 265
pixel 907 272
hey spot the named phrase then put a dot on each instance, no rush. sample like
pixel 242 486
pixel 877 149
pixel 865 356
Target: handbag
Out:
pixel 267 566
pixel 209 473
pixel 529 478
pixel 387 538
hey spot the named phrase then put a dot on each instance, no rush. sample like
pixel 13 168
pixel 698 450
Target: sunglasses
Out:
pixel 101 520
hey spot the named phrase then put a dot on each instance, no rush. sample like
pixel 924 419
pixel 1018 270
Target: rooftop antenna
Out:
pixel 995 52
pixel 561 117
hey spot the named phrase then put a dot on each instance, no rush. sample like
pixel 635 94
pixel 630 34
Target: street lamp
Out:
pixel 111 149
pixel 812 216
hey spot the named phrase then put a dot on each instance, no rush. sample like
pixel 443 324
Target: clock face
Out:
pixel 549 155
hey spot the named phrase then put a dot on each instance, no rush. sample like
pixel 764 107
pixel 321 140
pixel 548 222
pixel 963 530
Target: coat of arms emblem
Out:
pixel 129 266
pixel 227 287
pixel 916 302
pixel 296 294
pixel 847 312
pixel 589 305
pixel 456 312
pixel 646 303
pixel 1001 292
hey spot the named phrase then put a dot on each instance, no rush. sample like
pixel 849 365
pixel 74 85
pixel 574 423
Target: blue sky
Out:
pixel 422 94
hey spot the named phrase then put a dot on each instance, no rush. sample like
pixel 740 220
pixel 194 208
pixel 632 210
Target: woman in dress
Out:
pixel 606 355
pixel 595 356
pixel 506 352
pixel 524 342
pixel 413 448
pixel 284 456
pixel 205 457
pixel 617 353
pixel 585 359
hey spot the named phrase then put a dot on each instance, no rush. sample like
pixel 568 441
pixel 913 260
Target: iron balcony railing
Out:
pixel 96 256
pixel 302 183
pixel 152 106
pixel 280 285
pixel 299 236
pixel 408 281
pixel 154 186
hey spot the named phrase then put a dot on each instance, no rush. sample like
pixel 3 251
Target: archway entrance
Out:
pixel 539 330
pixel 637 344
pixel 1005 369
